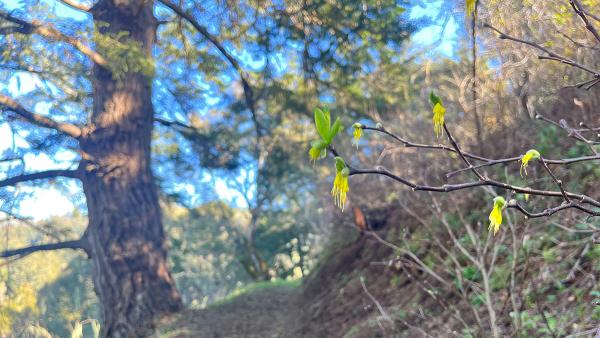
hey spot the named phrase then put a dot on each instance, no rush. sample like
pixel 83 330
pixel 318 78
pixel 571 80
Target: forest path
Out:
pixel 265 313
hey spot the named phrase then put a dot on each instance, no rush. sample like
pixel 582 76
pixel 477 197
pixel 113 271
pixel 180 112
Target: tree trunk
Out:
pixel 125 229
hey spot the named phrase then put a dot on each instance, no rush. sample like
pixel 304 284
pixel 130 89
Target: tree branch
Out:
pixel 168 123
pixel 22 252
pixel 518 158
pixel 75 5
pixel 551 55
pixel 572 132
pixel 47 31
pixel 248 92
pixel 578 8
pixel 460 186
pixel 12 181
pixel 591 15
pixel 7 103
pixel 552 211
pixel 460 153
pixel 486 161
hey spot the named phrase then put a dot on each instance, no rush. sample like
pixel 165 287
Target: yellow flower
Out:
pixel 340 183
pixel 438 113
pixel 470 6
pixel 358 131
pixel 318 150
pixel 438 118
pixel 496 214
pixel 529 155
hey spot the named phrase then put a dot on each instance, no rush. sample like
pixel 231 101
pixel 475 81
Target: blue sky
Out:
pixel 48 201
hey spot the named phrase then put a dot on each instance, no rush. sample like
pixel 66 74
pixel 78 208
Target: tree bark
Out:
pixel 125 232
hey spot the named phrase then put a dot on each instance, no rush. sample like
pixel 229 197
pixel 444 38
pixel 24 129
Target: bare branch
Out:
pixel 168 123
pixel 551 55
pixel 410 144
pixel 47 31
pixel 75 5
pixel 22 252
pixel 460 153
pixel 410 254
pixel 486 161
pixel 572 132
pixel 556 180
pixel 383 313
pixel 7 103
pixel 12 181
pixel 454 187
pixel 591 15
pixel 552 211
pixel 578 8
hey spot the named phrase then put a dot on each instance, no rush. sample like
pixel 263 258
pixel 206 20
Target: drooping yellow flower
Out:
pixel 314 153
pixel 438 113
pixel 438 118
pixel 496 214
pixel 340 183
pixel 470 6
pixel 318 150
pixel 529 155
pixel 357 133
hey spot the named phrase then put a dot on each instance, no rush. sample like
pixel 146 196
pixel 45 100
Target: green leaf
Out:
pixel 337 126
pixel 471 273
pixel 327 114
pixel 318 144
pixel 339 164
pixel 435 99
pixel 321 123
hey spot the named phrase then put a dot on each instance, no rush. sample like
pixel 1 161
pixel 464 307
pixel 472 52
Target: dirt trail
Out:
pixel 272 312
pixel 329 303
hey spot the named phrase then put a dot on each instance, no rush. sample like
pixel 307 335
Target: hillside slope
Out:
pixel 330 303
pixel 399 299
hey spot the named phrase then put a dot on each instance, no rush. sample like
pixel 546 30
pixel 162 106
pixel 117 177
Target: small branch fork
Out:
pixel 577 134
pixel 571 200
pixel 460 153
pixel 550 55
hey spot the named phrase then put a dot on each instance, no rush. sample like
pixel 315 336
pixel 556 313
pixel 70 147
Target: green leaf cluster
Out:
pixel 326 131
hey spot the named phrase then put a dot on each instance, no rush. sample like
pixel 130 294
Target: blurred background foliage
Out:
pixel 242 207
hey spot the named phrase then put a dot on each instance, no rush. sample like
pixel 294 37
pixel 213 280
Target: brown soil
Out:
pixel 271 312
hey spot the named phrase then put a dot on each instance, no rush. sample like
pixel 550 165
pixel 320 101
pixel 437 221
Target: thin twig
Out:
pixel 556 180
pixel 578 8
pixel 384 314
pixel 460 153
pixel 551 55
